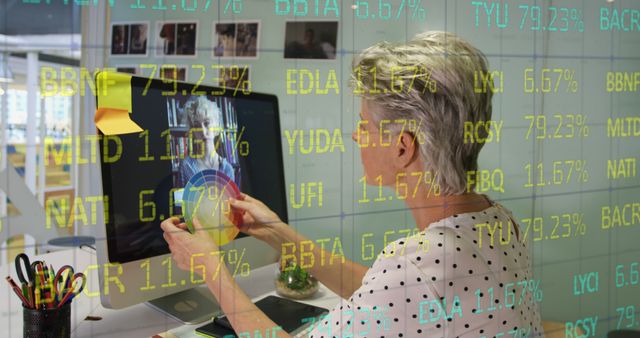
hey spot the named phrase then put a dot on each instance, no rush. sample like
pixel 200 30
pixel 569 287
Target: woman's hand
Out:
pixel 190 250
pixel 258 220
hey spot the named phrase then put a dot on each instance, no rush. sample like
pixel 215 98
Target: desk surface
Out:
pixel 139 320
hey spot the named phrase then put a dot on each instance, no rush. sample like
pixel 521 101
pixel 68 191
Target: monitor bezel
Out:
pixel 137 81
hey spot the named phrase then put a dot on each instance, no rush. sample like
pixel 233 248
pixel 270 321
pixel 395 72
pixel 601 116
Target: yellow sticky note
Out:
pixel 114 104
pixel 115 122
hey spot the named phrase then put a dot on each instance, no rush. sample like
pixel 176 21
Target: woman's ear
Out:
pixel 406 150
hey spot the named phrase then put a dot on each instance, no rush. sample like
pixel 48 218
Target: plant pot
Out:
pixel 283 289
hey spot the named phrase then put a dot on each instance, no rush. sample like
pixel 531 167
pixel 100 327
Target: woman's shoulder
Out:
pixel 187 167
pixel 454 234
pixel 453 259
pixel 225 163
pixel 227 168
pixel 187 161
pixel 414 249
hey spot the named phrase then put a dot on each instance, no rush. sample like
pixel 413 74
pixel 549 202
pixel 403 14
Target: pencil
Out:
pixel 64 299
pixel 17 291
pixel 37 296
pixel 26 294
pixel 32 295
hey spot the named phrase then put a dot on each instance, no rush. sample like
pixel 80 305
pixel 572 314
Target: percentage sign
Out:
pixel 534 289
pixel 572 83
pixel 581 168
pixel 244 82
pixel 581 122
pixel 236 6
pixel 217 196
pixel 583 227
pixel 240 79
pixel 577 220
pixel 417 131
pixel 417 11
pixel 242 145
pixel 429 83
pixel 432 182
pixel 237 263
pixel 576 17
pixel 412 128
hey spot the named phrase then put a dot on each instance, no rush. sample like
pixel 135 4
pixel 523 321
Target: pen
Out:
pixel 17 291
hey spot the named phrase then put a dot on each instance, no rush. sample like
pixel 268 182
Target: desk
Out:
pixel 139 320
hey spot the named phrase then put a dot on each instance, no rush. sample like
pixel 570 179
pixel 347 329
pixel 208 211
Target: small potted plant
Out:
pixel 294 282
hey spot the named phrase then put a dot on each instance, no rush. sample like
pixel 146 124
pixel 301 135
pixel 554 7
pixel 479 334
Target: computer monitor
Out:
pixel 143 187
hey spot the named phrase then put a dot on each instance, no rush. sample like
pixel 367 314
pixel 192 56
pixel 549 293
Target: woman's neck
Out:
pixel 210 157
pixel 427 208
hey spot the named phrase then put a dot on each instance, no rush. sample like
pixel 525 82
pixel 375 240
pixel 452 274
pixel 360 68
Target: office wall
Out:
pixel 579 190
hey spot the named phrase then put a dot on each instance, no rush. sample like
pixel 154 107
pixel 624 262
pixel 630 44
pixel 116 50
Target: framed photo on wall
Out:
pixel 236 39
pixel 316 40
pixel 176 38
pixel 129 38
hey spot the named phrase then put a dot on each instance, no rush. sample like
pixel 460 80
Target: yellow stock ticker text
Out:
pixel 198 273
pixel 71 81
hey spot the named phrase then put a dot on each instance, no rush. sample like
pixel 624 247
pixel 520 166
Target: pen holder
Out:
pixel 50 323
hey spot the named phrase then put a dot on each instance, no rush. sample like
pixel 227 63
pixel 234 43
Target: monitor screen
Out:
pixel 183 134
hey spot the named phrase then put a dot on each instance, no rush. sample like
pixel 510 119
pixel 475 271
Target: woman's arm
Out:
pixel 242 313
pixel 343 278
pixel 197 253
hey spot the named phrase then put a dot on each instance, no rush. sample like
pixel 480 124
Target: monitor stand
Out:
pixel 191 306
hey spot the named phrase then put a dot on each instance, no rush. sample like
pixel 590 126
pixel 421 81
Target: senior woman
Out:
pixel 204 120
pixel 465 273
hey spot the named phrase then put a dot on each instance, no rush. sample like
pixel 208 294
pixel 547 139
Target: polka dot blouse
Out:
pixel 467 275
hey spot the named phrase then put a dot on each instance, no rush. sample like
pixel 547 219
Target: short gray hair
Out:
pixel 199 108
pixel 441 98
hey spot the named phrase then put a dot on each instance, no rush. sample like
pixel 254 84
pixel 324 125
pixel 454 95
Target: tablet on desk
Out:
pixel 291 316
